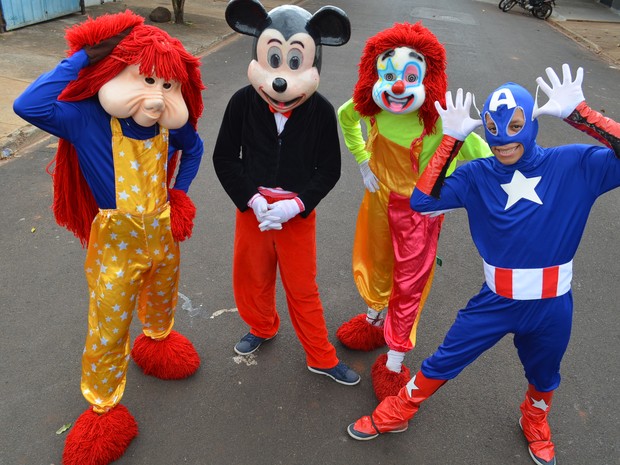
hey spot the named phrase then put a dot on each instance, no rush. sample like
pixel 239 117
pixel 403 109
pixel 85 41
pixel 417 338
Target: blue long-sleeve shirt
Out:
pixel 87 126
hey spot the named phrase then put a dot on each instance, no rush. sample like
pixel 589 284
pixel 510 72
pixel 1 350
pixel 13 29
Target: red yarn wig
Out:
pixel 155 52
pixel 423 41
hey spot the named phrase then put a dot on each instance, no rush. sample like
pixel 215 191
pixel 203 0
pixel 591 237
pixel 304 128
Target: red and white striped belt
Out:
pixel 529 283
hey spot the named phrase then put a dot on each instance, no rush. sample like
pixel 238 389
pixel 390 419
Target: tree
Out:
pixel 178 6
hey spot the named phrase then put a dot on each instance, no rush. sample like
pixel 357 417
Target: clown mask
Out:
pixel 147 99
pixel 400 87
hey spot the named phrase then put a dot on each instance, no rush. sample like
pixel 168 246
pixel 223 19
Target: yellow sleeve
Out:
pixel 474 147
pixel 349 120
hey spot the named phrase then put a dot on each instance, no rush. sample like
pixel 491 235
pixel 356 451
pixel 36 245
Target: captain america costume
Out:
pixel 549 193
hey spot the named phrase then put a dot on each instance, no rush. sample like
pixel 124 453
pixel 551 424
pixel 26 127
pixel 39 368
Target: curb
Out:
pixel 19 139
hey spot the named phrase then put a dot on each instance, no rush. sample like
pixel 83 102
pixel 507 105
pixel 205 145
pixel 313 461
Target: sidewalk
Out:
pixel 27 52
pixel 591 24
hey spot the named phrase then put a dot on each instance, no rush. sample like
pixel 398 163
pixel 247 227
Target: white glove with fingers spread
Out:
pixel 258 203
pixel 370 180
pixel 279 212
pixel 455 117
pixel 563 96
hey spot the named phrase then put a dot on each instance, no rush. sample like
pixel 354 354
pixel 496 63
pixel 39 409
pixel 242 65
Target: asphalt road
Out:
pixel 269 409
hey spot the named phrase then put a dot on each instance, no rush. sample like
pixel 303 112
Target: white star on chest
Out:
pixel 521 187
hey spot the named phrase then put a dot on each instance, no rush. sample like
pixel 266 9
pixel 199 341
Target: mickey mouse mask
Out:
pixel 287 50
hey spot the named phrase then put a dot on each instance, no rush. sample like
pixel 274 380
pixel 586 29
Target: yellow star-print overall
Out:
pixel 132 262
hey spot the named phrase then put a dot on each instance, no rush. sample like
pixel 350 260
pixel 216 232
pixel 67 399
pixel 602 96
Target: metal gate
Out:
pixel 20 13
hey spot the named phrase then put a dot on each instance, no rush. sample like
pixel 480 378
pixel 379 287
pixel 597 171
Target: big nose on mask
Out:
pixel 279 85
pixel 155 103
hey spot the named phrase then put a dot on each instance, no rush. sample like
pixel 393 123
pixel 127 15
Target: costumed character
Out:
pixel 126 96
pixel 402 71
pixel 277 155
pixel 519 203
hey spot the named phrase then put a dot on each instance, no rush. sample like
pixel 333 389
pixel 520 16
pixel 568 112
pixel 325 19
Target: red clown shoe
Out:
pixel 358 334
pixel 171 358
pixel 386 382
pixel 99 439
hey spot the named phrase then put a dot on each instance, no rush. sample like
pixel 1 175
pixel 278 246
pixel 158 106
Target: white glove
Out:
pixel 455 118
pixel 268 225
pixel 370 180
pixel 258 203
pixel 563 96
pixel 279 212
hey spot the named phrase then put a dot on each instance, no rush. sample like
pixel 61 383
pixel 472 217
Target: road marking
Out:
pixel 224 310
pixel 249 359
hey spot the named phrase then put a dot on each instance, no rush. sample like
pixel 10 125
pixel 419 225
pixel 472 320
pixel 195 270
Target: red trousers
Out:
pixel 257 256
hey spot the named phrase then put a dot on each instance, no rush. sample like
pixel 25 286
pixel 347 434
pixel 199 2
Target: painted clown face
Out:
pixel 508 125
pixel 146 99
pixel 283 72
pixel 399 88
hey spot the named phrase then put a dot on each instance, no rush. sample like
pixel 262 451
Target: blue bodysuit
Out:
pixel 526 221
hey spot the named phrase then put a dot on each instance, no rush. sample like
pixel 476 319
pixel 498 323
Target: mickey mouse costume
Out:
pixel 277 155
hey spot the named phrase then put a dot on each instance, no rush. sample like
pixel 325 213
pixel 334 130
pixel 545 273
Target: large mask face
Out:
pixel 146 99
pixel 399 88
pixel 499 109
pixel 283 72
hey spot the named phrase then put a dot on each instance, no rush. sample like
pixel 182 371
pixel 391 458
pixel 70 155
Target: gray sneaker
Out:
pixel 340 373
pixel 249 343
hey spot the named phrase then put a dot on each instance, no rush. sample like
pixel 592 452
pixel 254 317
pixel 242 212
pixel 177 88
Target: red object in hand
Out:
pixel 182 214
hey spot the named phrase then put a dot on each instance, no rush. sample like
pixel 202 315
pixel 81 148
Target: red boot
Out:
pixel 393 413
pixel 359 334
pixel 99 439
pixel 171 358
pixel 535 409
pixel 386 382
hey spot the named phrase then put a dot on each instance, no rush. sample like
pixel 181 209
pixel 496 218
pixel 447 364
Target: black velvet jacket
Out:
pixel 304 158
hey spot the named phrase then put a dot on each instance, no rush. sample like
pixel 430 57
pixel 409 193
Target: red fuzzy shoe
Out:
pixel 99 439
pixel 172 358
pixel 386 382
pixel 358 334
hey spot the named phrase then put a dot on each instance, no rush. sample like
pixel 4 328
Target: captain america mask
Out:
pixel 501 107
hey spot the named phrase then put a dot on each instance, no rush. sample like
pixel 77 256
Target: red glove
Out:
pixel 182 214
pixel 434 174
pixel 603 129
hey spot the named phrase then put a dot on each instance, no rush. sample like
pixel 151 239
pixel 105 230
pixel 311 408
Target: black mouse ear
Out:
pixel 331 25
pixel 246 16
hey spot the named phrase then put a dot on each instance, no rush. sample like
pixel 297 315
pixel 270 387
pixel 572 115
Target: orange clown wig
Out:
pixel 422 40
